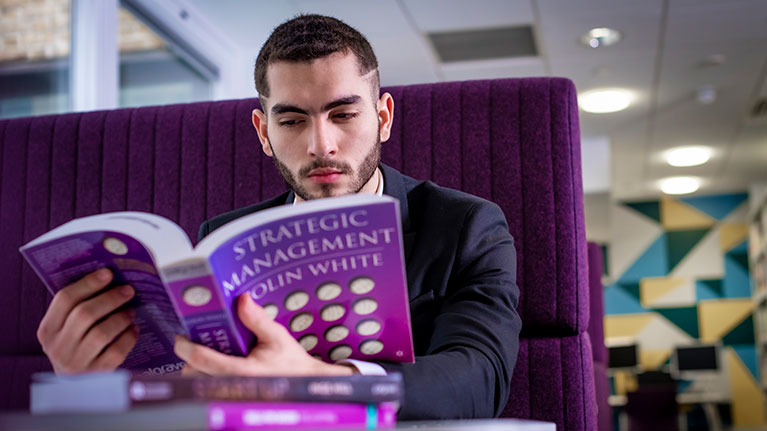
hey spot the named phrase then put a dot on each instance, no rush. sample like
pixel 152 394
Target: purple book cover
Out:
pixel 226 416
pixel 331 271
pixel 334 277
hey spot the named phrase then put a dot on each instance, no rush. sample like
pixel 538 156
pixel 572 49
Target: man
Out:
pixel 323 124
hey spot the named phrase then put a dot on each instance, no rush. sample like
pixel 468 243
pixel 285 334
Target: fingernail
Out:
pixel 104 274
pixel 126 291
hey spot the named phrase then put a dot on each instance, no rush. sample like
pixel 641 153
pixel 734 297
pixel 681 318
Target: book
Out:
pixel 119 390
pixel 216 415
pixel 232 415
pixel 331 271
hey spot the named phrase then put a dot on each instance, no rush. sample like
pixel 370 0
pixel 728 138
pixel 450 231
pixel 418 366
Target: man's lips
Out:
pixel 324 175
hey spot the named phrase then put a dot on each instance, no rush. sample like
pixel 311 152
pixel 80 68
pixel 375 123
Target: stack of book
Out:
pixel 127 401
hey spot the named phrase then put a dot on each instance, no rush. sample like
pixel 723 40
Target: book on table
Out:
pixel 331 271
pixel 121 390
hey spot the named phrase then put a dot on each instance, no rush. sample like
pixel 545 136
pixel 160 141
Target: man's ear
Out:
pixel 259 122
pixel 385 115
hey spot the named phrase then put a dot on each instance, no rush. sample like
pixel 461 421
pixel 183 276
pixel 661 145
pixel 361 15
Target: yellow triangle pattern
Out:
pixel 651 359
pixel 676 215
pixel 624 327
pixel 732 234
pixel 747 398
pixel 653 288
pixel 717 317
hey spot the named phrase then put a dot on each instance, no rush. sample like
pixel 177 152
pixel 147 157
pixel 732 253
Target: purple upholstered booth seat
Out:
pixel 513 141
pixel 597 335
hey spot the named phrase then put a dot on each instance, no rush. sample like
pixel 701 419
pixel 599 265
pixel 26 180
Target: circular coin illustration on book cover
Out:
pixel 371 347
pixel 301 322
pixel 336 333
pixel 361 285
pixel 332 312
pixel 115 246
pixel 340 352
pixel 365 306
pixel 308 341
pixel 368 327
pixel 328 291
pixel 296 300
pixel 196 296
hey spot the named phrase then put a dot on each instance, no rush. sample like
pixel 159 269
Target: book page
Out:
pixel 165 240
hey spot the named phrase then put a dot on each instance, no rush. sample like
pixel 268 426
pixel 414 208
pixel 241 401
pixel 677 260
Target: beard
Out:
pixel 358 179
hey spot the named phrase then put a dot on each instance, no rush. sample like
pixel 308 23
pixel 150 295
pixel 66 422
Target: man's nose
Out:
pixel 323 142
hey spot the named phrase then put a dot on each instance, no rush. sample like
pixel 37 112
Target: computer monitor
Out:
pixel 625 356
pixel 693 361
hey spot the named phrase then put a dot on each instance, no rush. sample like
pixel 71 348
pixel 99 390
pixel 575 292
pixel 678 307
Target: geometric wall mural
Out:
pixel 678 275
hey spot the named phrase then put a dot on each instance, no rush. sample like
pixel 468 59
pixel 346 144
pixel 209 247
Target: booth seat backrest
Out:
pixel 513 141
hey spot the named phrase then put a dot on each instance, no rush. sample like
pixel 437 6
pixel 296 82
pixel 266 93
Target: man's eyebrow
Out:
pixel 282 108
pixel 348 100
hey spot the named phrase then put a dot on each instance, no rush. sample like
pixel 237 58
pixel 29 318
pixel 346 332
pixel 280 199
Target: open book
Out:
pixel 331 271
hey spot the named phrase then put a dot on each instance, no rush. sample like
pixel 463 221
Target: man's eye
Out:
pixel 345 115
pixel 288 123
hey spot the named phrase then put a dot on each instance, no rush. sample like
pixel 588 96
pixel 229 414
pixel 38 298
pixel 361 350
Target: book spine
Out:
pixel 310 389
pixel 226 416
pixel 204 312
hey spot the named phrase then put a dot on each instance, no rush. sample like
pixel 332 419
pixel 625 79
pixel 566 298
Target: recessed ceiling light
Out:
pixel 601 36
pixel 605 100
pixel 679 185
pixel 688 156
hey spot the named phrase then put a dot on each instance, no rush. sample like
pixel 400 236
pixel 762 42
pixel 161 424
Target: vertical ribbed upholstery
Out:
pixel 513 141
pixel 597 335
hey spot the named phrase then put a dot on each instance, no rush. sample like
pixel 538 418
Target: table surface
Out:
pixel 192 418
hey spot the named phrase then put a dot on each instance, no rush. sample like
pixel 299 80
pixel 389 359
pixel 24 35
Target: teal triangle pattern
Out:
pixel 686 318
pixel 743 333
pixel 708 289
pixel 719 206
pixel 618 300
pixel 747 354
pixel 741 258
pixel 736 282
pixel 680 243
pixel 652 263
pixel 740 248
pixel 649 209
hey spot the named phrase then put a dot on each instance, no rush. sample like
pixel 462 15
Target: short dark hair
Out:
pixel 309 37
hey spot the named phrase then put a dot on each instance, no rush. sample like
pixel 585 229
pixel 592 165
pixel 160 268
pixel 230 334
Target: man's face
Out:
pixel 322 126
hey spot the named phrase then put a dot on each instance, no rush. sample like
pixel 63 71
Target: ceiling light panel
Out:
pixel 606 100
pixel 688 156
pixel 679 185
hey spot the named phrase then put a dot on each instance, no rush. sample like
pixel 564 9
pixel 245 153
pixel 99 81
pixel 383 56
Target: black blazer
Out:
pixel 461 273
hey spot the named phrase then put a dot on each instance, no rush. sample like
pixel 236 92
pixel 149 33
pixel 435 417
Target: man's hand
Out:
pixel 81 332
pixel 277 352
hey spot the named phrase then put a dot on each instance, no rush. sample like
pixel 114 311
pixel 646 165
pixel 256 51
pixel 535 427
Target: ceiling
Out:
pixel 662 58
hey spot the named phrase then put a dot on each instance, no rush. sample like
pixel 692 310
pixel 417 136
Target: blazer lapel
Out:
pixel 394 186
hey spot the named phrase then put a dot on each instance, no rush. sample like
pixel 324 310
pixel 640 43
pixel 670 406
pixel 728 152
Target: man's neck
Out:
pixel 371 187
